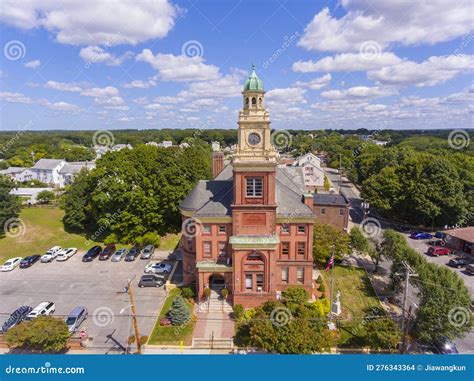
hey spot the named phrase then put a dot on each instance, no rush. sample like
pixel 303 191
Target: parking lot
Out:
pixel 97 285
pixel 422 247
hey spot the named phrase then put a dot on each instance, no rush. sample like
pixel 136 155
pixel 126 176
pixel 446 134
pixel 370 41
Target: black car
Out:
pixel 92 253
pixel 444 346
pixel 29 261
pixel 108 251
pixel 458 262
pixel 151 281
pixel 16 317
pixel 133 253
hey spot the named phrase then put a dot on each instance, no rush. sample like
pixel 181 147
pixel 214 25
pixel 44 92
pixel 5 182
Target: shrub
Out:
pixel 149 239
pixel 207 292
pixel 188 292
pixel 179 313
pixel 225 293
pixel 165 322
pixel 295 294
pixel 322 288
pixel 238 311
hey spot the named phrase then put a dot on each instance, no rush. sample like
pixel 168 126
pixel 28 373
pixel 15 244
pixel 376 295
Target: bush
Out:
pixel 225 293
pixel 44 334
pixel 319 280
pixel 179 313
pixel 295 294
pixel 188 292
pixel 45 197
pixel 322 288
pixel 149 239
pixel 238 311
pixel 207 292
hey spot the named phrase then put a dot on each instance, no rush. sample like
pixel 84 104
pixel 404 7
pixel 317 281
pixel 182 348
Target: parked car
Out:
pixel 92 253
pixel 438 250
pixel 157 268
pixel 147 252
pixel 470 269
pixel 444 346
pixel 151 281
pixel 133 253
pixel 440 235
pixel 42 309
pixel 107 252
pixel 420 235
pixel 51 254
pixel 10 264
pixel 16 318
pixel 119 255
pixel 75 318
pixel 65 254
pixel 458 262
pixel 29 261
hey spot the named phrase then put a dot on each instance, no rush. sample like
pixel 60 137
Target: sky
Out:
pixel 136 64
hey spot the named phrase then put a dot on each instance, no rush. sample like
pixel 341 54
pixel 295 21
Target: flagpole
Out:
pixel 331 324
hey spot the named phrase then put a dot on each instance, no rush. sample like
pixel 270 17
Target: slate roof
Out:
pixel 213 198
pixel 47 164
pixel 76 166
pixel 12 170
pixel 330 199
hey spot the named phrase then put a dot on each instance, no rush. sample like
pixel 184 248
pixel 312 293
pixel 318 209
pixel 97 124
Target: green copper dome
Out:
pixel 253 83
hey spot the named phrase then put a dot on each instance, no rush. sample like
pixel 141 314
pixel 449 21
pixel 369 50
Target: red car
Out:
pixel 108 251
pixel 438 250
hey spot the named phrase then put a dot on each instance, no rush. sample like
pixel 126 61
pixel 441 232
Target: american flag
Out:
pixel 330 262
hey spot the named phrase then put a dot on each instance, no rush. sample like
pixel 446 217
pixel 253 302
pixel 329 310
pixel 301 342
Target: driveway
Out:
pixel 97 285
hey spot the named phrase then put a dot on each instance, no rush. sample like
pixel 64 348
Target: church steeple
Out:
pixel 254 140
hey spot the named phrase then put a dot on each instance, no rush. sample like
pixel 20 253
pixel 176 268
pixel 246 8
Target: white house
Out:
pixel 312 172
pixel 47 170
pixel 216 146
pixel 70 170
pixel 166 144
pixel 19 174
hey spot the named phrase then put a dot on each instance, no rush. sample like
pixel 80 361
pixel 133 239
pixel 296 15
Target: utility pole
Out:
pixel 408 274
pixel 331 324
pixel 134 316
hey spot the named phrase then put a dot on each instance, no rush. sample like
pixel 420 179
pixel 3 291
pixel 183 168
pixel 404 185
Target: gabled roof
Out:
pixel 76 166
pixel 213 198
pixel 11 170
pixel 47 164
pixel 465 234
pixel 329 199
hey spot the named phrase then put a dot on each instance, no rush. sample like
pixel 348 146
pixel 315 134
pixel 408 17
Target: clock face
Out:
pixel 254 139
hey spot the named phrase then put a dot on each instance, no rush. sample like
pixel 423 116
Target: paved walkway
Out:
pixel 217 323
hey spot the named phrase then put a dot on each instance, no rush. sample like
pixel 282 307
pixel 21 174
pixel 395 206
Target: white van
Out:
pixel 42 309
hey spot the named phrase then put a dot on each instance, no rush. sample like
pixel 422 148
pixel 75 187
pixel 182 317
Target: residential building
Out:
pixel 254 222
pixel 461 239
pixel 166 144
pixel 331 209
pixel 313 173
pixel 47 170
pixel 71 169
pixel 216 146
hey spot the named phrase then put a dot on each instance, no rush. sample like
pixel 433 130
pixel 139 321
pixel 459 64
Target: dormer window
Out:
pixel 254 186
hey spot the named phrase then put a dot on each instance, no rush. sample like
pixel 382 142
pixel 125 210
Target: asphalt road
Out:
pixel 97 285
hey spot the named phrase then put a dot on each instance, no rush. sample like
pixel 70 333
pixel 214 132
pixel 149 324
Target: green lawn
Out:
pixel 357 298
pixel 43 229
pixel 172 335
pixel 169 241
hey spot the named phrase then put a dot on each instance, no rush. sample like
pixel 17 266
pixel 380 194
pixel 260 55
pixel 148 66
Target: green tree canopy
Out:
pixel 323 238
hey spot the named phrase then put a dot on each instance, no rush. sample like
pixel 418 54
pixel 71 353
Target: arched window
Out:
pixel 254 101
pixel 255 256
pixel 260 102
pixel 247 101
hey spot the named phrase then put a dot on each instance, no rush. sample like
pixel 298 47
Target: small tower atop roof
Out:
pixel 253 83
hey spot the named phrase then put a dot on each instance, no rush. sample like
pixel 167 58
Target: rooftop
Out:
pixel 48 164
pixel 330 199
pixel 466 234
pixel 253 83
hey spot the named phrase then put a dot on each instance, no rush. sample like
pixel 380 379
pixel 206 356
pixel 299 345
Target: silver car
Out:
pixel 119 255
pixel 147 252
pixel 75 318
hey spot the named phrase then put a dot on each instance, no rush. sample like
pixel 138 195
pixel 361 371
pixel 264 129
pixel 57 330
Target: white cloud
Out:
pixel 285 97
pixel 96 54
pixel 168 99
pixel 138 84
pixel 33 64
pixel 435 70
pixel 179 68
pixel 59 106
pixel 101 92
pixel 387 22
pixel 347 62
pixel 358 92
pixel 224 87
pixel 93 23
pixel 21 98
pixel 317 83
pixel 15 98
pixel 62 86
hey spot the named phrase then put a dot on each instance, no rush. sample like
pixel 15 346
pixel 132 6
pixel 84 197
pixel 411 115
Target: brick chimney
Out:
pixel 308 200
pixel 217 163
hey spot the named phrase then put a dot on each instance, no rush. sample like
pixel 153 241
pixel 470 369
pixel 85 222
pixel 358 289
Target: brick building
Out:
pixel 331 209
pixel 249 229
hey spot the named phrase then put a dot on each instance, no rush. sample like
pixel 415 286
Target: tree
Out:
pixel 323 237
pixel 280 327
pixel 9 206
pixel 327 184
pixel 382 333
pixel 358 240
pixel 45 197
pixel 179 313
pixel 75 201
pixel 44 334
pixel 295 294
